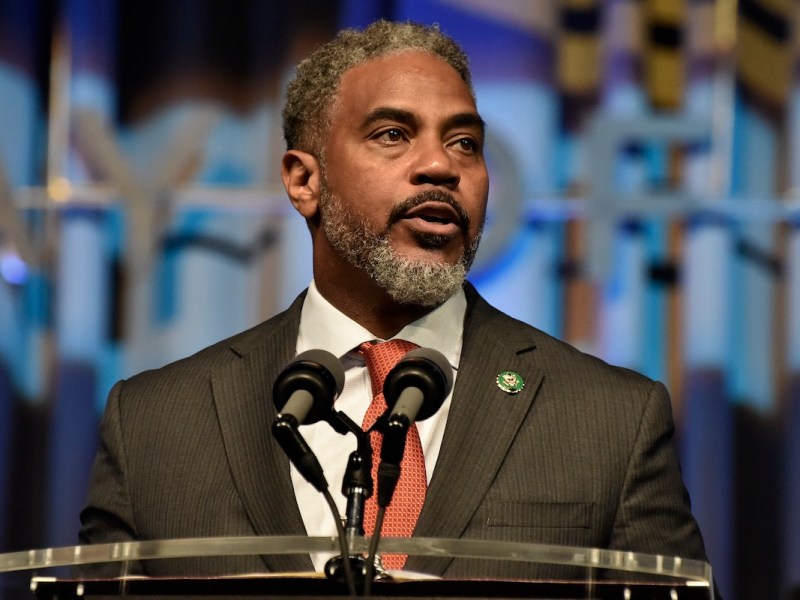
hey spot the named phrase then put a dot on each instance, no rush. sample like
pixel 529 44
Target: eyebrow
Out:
pixel 468 120
pixel 388 113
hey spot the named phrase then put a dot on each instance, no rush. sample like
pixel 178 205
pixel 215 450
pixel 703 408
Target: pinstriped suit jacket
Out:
pixel 583 456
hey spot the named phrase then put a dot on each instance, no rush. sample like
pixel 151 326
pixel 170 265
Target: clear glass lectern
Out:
pixel 123 570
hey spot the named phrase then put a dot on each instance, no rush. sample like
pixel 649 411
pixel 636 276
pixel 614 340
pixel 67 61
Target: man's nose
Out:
pixel 434 165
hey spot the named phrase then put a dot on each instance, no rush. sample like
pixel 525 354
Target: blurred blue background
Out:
pixel 644 207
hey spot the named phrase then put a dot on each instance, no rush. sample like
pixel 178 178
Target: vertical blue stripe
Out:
pixel 73 444
pixel 706 460
pixel 622 318
pixel 656 332
pixel 752 353
pixel 707 422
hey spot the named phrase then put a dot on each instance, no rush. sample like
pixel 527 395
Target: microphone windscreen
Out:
pixel 315 372
pixel 428 371
pixel 327 361
pixel 439 361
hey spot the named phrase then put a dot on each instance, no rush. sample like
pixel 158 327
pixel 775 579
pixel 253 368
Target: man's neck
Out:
pixel 372 308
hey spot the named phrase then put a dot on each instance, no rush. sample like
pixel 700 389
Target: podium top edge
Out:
pixel 589 558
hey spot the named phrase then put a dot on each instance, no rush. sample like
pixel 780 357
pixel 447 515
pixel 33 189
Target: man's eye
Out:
pixel 467 145
pixel 391 135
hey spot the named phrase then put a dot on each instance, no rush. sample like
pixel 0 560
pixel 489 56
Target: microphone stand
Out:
pixel 357 487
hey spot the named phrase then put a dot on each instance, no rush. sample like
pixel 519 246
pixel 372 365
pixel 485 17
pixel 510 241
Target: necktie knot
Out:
pixel 381 358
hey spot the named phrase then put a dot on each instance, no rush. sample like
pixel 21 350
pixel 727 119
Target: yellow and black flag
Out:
pixel 764 54
pixel 578 59
pixel 664 65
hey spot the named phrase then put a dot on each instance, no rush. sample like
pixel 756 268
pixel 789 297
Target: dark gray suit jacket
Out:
pixel 583 456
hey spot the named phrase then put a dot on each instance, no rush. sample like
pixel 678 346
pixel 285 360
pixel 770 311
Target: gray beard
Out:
pixel 412 282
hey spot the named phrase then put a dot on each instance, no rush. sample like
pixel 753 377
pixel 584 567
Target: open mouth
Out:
pixel 434 214
pixel 434 219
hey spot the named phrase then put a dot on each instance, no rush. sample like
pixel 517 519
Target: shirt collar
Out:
pixel 324 326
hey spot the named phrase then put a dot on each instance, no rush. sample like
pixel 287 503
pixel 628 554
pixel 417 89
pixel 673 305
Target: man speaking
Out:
pixel 537 442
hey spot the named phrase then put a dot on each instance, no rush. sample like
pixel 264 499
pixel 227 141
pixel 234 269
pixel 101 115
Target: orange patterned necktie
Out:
pixel 409 495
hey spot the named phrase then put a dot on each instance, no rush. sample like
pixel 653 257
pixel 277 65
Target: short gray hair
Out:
pixel 310 95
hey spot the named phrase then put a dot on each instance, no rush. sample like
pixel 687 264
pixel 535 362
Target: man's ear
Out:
pixel 300 172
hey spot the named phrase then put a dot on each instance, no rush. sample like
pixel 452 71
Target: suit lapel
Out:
pixel 242 392
pixel 481 426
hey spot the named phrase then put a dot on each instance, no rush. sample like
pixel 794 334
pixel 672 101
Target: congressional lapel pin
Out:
pixel 510 382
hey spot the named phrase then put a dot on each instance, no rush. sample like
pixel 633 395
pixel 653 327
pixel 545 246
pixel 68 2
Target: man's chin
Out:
pixel 420 279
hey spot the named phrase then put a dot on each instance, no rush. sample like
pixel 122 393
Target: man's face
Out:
pixel 405 185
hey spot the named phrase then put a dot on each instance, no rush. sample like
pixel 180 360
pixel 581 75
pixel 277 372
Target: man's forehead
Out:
pixel 403 80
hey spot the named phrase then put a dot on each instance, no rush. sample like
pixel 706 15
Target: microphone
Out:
pixel 414 390
pixel 304 393
pixel 306 388
pixel 418 384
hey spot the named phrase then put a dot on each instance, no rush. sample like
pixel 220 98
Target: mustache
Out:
pixel 406 205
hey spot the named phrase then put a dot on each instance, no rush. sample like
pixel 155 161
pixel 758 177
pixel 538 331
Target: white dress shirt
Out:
pixel 323 326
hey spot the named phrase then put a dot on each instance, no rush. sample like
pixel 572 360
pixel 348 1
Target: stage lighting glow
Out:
pixel 13 269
